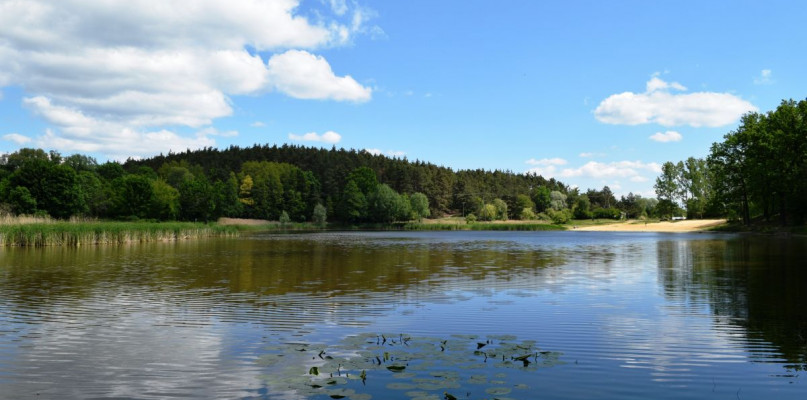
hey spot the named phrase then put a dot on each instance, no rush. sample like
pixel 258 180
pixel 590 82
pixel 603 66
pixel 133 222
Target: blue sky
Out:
pixel 592 93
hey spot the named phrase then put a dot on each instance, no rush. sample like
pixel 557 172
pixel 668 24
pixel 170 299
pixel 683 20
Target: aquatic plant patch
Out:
pixel 385 366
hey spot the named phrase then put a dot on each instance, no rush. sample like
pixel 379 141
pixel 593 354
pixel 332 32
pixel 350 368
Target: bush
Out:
pixel 284 218
pixel 607 213
pixel 470 219
pixel 320 215
pixel 488 212
pixel 559 216
pixel 527 214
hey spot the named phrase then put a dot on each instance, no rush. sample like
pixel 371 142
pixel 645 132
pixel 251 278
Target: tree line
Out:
pixel 289 183
pixel 758 171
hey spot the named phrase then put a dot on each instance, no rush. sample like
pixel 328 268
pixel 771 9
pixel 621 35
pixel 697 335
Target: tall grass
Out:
pixel 61 233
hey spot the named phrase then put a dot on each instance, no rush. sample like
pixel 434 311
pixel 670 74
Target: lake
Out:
pixel 409 315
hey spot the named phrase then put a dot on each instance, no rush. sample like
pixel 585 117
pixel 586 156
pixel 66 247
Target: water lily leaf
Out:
pixel 422 366
pixel 495 391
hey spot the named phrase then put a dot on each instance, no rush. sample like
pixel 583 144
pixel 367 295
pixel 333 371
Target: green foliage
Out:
pixel 175 172
pixel 110 171
pixel 353 205
pixel 488 213
pixel 419 205
pixel 542 198
pixel 558 201
pixel 582 208
pixel 146 171
pixel 227 202
pixel 133 196
pixel 261 182
pixel 276 187
pixel 21 201
pixel 365 178
pixel 320 215
pixel 757 170
pixel 761 167
pixel 668 187
pixel 196 200
pixel 164 202
pixel 523 202
pixel 96 194
pixel 501 209
pixel 606 213
pixel 527 214
pixel 666 208
pixel 245 191
pixel 559 217
pixel 15 160
pixel 470 218
pixel 385 205
pixel 54 187
pixel 81 163
pixel 284 218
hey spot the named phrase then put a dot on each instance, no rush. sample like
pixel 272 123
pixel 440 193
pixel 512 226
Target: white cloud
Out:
pixel 257 124
pixel 591 155
pixel 96 70
pixel 664 137
pixel 389 153
pixel 327 137
pixel 303 75
pixel 655 83
pixel 339 7
pixel 17 138
pixel 764 77
pixel 547 161
pixel 211 131
pixel 82 133
pixel 545 167
pixel 632 170
pixel 658 105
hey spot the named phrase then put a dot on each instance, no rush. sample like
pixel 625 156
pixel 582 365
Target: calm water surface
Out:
pixel 475 315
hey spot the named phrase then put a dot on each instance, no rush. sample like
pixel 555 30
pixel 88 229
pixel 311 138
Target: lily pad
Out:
pixel 425 367
pixel 496 391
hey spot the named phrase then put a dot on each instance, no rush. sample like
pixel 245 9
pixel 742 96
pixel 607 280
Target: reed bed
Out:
pixel 62 233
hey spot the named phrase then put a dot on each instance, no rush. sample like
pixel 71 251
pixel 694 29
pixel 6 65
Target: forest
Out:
pixel 758 173
pixel 289 183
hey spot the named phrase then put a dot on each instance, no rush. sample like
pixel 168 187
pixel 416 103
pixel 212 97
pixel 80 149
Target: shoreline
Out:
pixel 694 225
pixel 626 226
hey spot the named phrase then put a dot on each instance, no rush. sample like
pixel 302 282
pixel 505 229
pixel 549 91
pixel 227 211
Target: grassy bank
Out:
pixel 91 233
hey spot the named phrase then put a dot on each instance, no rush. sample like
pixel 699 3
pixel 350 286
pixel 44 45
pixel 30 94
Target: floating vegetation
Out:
pixel 374 365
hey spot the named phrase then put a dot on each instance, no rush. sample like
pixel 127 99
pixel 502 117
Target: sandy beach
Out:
pixel 637 226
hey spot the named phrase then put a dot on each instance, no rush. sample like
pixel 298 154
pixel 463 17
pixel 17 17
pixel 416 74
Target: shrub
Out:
pixel 527 214
pixel 559 216
pixel 320 215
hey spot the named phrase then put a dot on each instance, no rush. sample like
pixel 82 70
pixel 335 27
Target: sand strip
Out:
pixel 692 225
